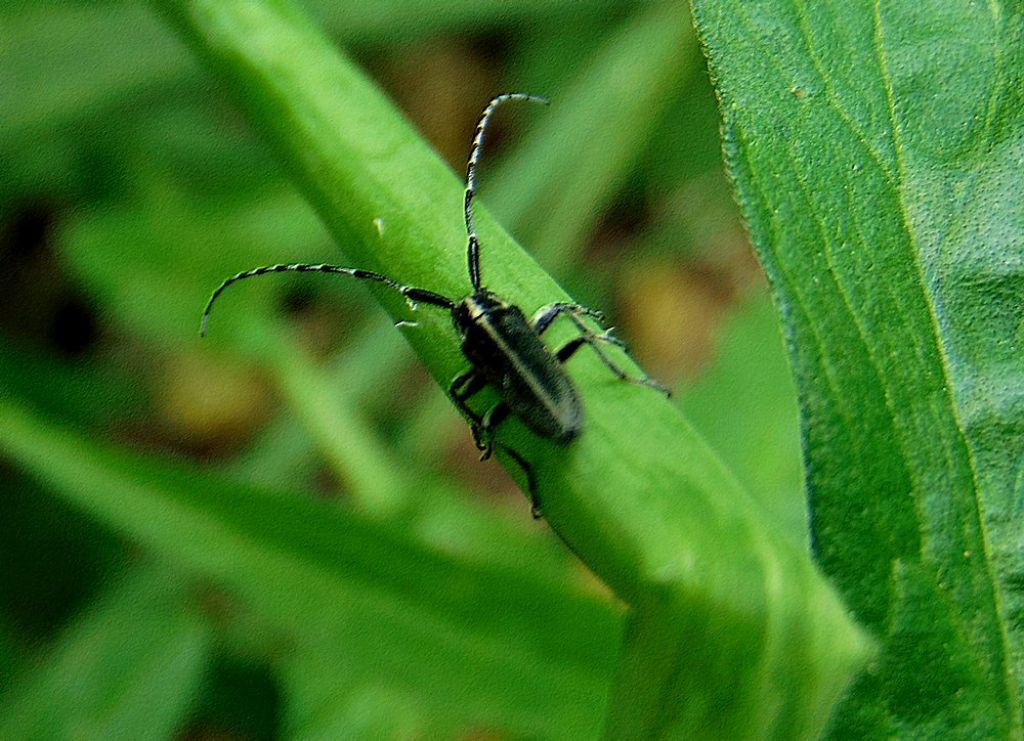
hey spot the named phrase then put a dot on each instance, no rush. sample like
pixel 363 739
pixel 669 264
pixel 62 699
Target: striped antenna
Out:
pixel 412 295
pixel 473 251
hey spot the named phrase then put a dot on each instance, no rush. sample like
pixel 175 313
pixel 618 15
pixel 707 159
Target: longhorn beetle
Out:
pixel 504 349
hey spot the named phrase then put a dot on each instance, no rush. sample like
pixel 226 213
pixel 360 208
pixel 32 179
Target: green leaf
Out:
pixel 82 391
pixel 191 242
pixel 745 406
pixel 734 631
pixel 877 152
pixel 129 667
pixel 357 602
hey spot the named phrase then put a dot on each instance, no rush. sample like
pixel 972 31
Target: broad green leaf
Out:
pixel 877 150
pixel 130 666
pixel 733 631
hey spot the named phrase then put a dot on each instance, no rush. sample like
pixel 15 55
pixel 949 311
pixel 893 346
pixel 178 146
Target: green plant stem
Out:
pixel 735 633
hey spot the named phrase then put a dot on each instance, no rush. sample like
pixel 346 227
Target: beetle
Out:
pixel 505 350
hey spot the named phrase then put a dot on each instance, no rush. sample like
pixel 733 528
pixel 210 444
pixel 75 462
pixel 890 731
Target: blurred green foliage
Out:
pixel 315 449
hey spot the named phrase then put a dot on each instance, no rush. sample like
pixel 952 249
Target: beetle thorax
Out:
pixel 473 308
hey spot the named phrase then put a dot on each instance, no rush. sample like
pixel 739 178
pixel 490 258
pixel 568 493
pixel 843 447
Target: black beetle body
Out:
pixel 508 353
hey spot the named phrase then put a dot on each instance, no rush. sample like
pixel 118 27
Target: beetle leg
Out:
pixel 547 314
pixel 465 384
pixel 484 436
pixel 531 480
pixel 462 387
pixel 595 341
